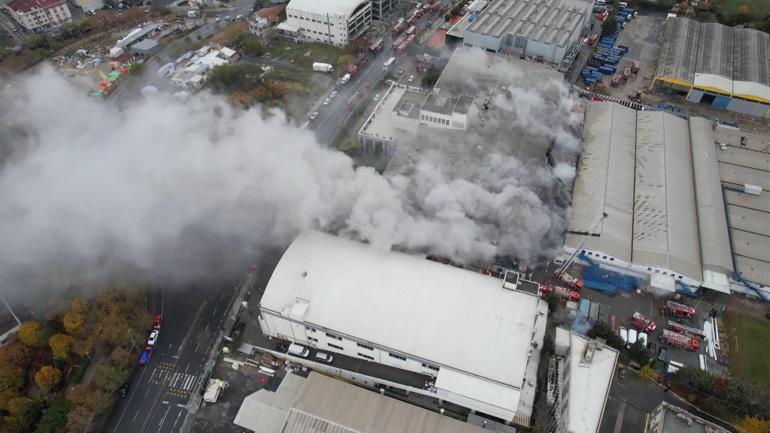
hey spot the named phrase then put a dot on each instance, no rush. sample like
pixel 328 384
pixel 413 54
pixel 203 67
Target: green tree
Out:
pixel 121 358
pixel 136 68
pixel 80 305
pixel 232 33
pixel 345 60
pixel 15 355
pixel 47 378
pixel 24 413
pixel 251 45
pixel 751 424
pixel 11 382
pixel 109 378
pixel 609 26
pixel 55 417
pixel 32 334
pixel 60 345
pixel 232 77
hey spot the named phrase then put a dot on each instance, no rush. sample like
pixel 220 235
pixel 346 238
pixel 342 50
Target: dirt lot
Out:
pixel 641 35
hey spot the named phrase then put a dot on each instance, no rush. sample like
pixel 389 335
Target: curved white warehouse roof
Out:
pixel 454 317
pixel 343 7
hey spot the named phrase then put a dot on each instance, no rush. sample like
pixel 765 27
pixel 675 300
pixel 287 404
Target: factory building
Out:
pixel 667 418
pixel 547 30
pixel 680 202
pixel 475 342
pixel 39 14
pixel 335 406
pixel 334 22
pixel 579 379
pixel 716 65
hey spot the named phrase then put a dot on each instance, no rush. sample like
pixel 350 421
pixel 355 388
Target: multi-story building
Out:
pixel 37 14
pixel 335 22
pixel 474 342
pixel 667 418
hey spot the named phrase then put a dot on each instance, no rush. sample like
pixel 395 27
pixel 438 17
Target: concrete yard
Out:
pixel 641 36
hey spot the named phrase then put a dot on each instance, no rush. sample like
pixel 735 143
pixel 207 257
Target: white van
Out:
pixel 622 5
pixel 643 339
pixel 632 334
pixel 324 357
pixel 297 350
pixel 624 334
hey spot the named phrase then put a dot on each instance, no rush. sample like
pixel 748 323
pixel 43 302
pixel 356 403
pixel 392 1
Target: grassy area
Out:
pixel 755 9
pixel 6 41
pixel 306 53
pixel 749 353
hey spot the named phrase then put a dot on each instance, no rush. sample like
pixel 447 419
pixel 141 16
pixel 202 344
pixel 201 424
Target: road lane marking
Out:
pixel 188 383
pixel 128 403
pixel 163 419
pixel 189 332
pixel 215 312
pixel 136 414
pixel 178 415
pixel 197 346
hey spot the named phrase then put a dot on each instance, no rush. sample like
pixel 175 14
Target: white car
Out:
pixel 238 17
pixel 326 101
pixel 333 94
pixel 153 337
pixel 410 79
pixel 376 97
pixel 324 357
pixel 313 115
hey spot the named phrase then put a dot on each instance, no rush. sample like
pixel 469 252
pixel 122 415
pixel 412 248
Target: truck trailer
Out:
pixel 322 67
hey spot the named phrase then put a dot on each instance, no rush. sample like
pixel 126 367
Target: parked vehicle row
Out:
pixel 152 340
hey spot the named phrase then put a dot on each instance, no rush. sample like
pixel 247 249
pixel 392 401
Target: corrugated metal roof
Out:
pixel 665 218
pixel 605 181
pixel 679 51
pixel 712 222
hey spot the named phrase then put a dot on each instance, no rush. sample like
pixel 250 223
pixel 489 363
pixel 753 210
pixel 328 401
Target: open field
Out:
pixel 749 351
pixel 757 9
pixel 306 53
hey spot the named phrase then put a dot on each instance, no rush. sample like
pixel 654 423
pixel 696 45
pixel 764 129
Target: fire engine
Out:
pixel 681 341
pixel 575 283
pixel 561 292
pixel 642 323
pixel 679 310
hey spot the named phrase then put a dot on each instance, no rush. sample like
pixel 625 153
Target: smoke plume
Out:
pixel 170 190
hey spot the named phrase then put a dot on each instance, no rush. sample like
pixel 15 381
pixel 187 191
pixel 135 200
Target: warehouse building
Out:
pixel 579 380
pixel 547 30
pixel 680 202
pixel 716 65
pixel 335 406
pixel 476 341
pixel 334 22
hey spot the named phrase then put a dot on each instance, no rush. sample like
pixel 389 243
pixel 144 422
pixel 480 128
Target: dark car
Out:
pixel 663 355
pixel 123 390
pixel 145 356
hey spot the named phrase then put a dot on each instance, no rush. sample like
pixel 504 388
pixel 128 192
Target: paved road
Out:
pixel 7 24
pixel 160 390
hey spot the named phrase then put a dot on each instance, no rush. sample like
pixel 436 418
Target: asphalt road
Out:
pixel 160 390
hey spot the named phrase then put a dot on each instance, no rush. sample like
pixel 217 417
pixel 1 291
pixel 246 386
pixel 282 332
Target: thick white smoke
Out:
pixel 164 189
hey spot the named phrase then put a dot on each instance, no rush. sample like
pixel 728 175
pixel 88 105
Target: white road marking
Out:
pixel 188 383
pixel 195 321
pixel 136 414
pixel 174 379
pixel 196 346
pixel 215 312
pixel 163 419
pixel 177 417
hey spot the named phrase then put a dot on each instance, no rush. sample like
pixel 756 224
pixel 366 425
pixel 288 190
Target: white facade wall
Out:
pixel 333 28
pixel 42 17
pixel 440 120
pixel 327 340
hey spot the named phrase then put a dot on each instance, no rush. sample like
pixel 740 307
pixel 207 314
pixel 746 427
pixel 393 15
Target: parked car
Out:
pixel 410 79
pixel 298 350
pixel 324 357
pixel 238 17
pixel 624 335
pixel 327 101
pixel 145 356
pixel 156 322
pixel 123 390
pixel 153 337
pixel 632 336
pixel 663 354
pixel 314 115
pixel 376 97
pixel 333 94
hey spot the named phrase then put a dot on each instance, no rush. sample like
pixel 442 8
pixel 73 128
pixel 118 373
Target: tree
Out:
pixel 60 345
pixel 751 424
pixel 431 76
pixel 232 33
pixel 73 322
pixel 609 25
pixel 55 417
pixel 79 419
pixel 121 358
pixel 47 377
pixel 639 353
pixel 31 334
pixel 80 305
pixel 136 68
pixel 109 378
pixel 345 60
pixel 15 355
pixel 24 413
pixel 250 45
pixel 233 77
pixel 11 382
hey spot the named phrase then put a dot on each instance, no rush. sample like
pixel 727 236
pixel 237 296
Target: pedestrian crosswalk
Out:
pixel 177 383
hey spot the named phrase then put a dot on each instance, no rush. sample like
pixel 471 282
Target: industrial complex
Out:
pixel 677 201
pixel 547 30
pixel 411 314
pixel 716 65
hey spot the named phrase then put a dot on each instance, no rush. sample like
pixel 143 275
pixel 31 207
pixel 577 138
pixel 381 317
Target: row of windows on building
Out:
pixel 434 119
pixel 612 259
pixel 361 345
pixel 310 19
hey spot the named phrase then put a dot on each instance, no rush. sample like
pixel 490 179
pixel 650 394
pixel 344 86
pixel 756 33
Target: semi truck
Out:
pixel 562 292
pixel 642 323
pixel 681 341
pixel 322 67
pixel 677 309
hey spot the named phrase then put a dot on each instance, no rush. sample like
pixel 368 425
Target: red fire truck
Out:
pixel 562 292
pixel 642 323
pixel 574 282
pixel 682 341
pixel 678 309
